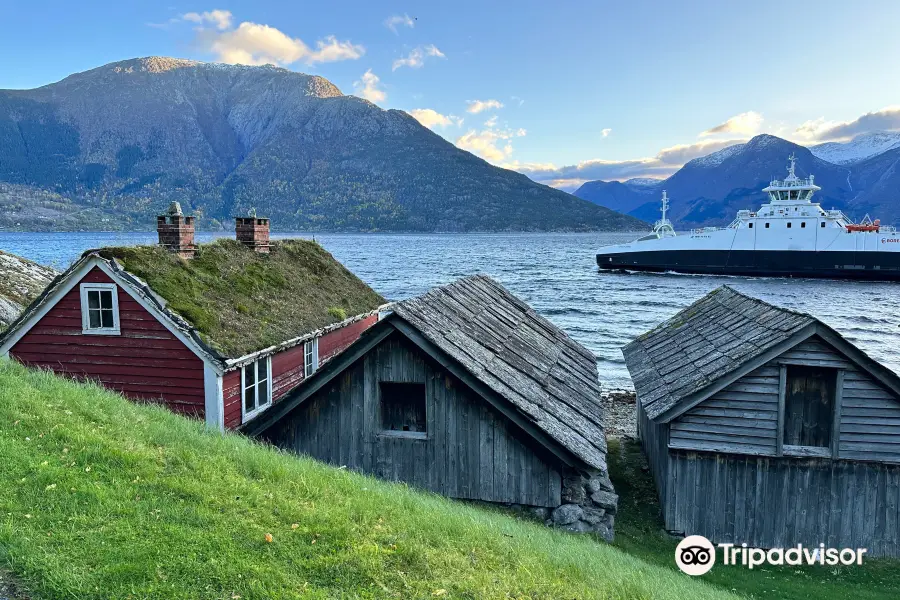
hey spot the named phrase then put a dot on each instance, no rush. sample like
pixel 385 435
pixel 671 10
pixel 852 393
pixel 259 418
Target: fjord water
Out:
pixel 556 274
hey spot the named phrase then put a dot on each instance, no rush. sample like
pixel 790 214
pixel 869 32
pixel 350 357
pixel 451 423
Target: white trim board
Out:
pixel 214 403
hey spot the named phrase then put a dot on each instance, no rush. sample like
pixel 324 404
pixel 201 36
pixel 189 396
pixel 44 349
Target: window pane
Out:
pixel 809 406
pixel 93 299
pixel 262 371
pixel 106 299
pixel 263 392
pixel 94 319
pixel 249 399
pixel 249 376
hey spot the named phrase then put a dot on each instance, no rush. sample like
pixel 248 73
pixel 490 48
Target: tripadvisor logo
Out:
pixel 696 555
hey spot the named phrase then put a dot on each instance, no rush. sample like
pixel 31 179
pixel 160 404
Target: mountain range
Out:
pixel 111 147
pixel 859 177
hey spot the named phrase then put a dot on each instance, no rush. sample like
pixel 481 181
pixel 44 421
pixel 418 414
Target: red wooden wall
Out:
pixel 146 362
pixel 287 367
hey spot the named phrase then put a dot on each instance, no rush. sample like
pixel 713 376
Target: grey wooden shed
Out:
pixel 765 426
pixel 467 392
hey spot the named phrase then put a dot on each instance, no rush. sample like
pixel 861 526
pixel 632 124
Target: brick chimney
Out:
pixel 176 232
pixel 253 232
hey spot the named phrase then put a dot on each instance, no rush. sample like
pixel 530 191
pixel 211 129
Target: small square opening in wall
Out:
pixel 403 407
pixel 809 400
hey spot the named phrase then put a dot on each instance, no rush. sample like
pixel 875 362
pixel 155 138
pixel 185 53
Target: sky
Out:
pixel 562 91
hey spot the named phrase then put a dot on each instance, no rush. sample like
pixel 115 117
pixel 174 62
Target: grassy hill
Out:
pixel 102 498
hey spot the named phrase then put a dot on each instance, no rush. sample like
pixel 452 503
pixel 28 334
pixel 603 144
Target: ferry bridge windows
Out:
pixel 794 194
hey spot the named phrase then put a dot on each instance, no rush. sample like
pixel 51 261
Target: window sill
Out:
pixel 807 451
pixel 410 435
pixel 101 332
pixel 255 412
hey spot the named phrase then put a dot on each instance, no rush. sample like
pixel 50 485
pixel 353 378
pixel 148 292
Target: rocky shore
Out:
pixel 620 411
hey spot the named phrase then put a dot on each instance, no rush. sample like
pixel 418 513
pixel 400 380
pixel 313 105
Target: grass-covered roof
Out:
pixel 242 301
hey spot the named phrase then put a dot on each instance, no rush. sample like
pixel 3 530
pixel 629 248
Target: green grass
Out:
pixel 242 301
pixel 639 531
pixel 102 498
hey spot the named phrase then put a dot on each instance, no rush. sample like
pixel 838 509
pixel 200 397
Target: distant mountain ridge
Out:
pixel 711 189
pixel 110 147
pixel 860 148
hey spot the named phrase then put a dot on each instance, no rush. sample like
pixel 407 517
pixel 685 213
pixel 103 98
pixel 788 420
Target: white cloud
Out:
pixel 667 161
pixel 820 130
pixel 220 19
pixel 492 122
pixel 403 20
pixel 431 118
pixel 477 106
pixel 606 132
pixel 737 130
pixel 517 99
pixel 367 87
pixel 432 50
pixel 485 143
pixel 416 58
pixel 332 50
pixel 747 123
pixel 257 44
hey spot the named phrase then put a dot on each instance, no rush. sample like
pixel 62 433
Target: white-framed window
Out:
pixel 310 357
pixel 256 387
pixel 99 309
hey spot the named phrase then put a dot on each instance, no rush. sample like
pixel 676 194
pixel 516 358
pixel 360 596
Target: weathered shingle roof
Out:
pixel 521 356
pixel 703 343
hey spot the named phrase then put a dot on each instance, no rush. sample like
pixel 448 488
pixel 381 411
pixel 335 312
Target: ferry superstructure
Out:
pixel 791 236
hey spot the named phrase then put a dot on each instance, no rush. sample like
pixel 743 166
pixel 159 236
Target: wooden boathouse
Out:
pixel 467 392
pixel 765 426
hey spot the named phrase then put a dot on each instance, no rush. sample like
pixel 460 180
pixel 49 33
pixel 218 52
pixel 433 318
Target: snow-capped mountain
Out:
pixel 641 181
pixel 860 176
pixel 716 158
pixel 858 149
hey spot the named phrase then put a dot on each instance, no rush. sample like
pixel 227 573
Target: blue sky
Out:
pixel 588 89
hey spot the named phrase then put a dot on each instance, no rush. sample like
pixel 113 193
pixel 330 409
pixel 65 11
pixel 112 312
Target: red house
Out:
pixel 220 331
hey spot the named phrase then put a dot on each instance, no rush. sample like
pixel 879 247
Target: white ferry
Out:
pixel 791 236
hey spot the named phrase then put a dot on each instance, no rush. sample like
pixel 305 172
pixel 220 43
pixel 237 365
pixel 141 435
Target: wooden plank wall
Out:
pixel 741 418
pixel 870 420
pixel 470 451
pixel 145 362
pixel 288 367
pixel 776 502
pixel 653 438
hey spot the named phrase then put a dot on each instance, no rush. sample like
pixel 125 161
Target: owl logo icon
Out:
pixel 695 555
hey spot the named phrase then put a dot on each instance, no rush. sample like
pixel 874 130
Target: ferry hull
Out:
pixel 873 266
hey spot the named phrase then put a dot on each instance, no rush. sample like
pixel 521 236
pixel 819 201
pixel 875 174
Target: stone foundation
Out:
pixel 589 505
